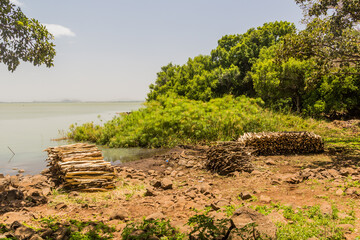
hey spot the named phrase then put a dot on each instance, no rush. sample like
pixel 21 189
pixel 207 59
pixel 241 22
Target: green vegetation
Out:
pixel 302 223
pixel 151 229
pixel 79 230
pixel 23 38
pixel 170 121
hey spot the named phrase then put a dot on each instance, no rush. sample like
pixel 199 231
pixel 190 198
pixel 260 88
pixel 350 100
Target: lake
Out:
pixel 28 128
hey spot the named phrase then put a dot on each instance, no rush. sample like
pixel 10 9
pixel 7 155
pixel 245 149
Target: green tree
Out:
pixel 222 72
pixel 331 37
pixel 280 83
pixel 23 38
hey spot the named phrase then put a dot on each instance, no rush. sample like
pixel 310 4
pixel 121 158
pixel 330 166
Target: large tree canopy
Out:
pixel 332 35
pixel 23 38
pixel 225 70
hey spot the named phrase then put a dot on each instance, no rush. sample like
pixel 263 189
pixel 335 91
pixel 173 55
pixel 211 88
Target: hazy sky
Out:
pixel 112 49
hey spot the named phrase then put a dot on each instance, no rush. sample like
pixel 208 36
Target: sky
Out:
pixel 111 50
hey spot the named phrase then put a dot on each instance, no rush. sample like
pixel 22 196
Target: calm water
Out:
pixel 27 129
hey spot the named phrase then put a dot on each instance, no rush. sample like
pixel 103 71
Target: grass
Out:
pixel 125 191
pixel 171 121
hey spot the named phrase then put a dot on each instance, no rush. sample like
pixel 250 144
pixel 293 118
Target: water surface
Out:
pixel 27 129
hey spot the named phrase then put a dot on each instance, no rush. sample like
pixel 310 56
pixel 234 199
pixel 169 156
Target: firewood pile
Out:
pixel 227 157
pixel 81 167
pixel 273 143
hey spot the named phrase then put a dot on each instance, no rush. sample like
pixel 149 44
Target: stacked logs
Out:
pixel 227 157
pixel 81 167
pixel 274 143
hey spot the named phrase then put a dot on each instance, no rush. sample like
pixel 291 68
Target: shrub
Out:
pixel 170 121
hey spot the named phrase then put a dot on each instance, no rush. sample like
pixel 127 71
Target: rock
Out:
pixel 339 192
pixel 275 182
pixel 36 197
pixel 155 183
pixel 12 195
pixel 294 179
pixel 347 171
pixel 47 233
pixel 270 162
pixel 346 227
pixel 119 215
pixel 15 225
pixel 137 234
pixel 191 194
pixel 245 195
pixel 326 208
pixel 235 174
pixel 2 175
pixel 334 173
pixel 23 232
pixel 204 188
pixel 157 215
pixel 36 237
pixel 4 183
pixel 263 226
pixel 61 206
pixel 343 215
pixel 276 217
pixel 166 184
pixel 189 164
pixel 46 191
pixel 351 191
pixel 62 233
pixel 21 171
pixel 325 174
pixel 14 181
pixel 256 172
pixel 180 174
pixel 150 192
pixel 73 194
pixel 219 204
pixel 173 173
pixel 265 199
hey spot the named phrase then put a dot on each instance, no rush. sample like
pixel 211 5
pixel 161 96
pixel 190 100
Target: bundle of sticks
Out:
pixel 80 166
pixel 274 143
pixel 227 157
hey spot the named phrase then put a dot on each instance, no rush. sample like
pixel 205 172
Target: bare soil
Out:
pixel 173 185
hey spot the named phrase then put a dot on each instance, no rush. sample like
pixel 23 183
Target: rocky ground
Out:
pixel 173 186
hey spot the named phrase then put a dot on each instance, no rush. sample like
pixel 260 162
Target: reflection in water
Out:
pixel 122 155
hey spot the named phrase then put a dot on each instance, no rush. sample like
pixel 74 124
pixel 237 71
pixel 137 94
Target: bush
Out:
pixel 170 121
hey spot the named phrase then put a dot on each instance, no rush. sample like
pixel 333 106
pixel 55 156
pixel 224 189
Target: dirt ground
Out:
pixel 173 185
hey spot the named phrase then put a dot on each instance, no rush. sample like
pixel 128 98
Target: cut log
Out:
pixel 80 167
pixel 275 143
pixel 228 157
